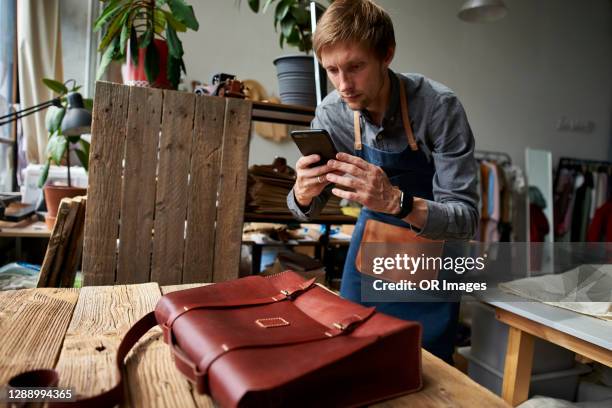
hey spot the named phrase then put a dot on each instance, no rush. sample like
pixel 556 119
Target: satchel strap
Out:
pixel 113 396
pixel 289 292
pixel 199 372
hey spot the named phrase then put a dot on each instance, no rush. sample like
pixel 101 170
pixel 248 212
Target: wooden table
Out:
pixel 78 331
pixel 36 229
pixel 585 335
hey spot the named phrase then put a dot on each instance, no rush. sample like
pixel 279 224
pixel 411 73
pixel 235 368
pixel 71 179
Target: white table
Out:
pixel 585 335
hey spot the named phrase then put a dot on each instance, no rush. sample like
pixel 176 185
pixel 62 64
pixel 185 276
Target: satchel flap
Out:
pixel 251 290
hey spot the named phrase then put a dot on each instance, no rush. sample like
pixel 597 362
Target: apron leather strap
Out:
pixel 405 120
pixel 357 127
pixel 406 117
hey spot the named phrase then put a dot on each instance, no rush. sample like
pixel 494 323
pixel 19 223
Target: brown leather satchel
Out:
pixel 281 341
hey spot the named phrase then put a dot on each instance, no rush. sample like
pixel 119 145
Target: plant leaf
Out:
pixel 152 62
pixel 55 86
pixel 108 13
pixel 88 104
pixel 126 29
pixel 175 47
pixel 57 148
pixel 85 147
pixel 281 10
pixel 74 139
pixel 177 25
pixel 184 14
pixel 288 27
pixel 107 57
pixel 301 15
pixel 159 20
pixel 53 118
pixel 293 38
pixel 134 46
pixel 83 158
pixel 254 5
pixel 44 173
pixel 113 30
pixel 146 38
pixel 265 7
pixel 174 71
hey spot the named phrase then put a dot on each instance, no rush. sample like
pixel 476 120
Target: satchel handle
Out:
pixel 113 396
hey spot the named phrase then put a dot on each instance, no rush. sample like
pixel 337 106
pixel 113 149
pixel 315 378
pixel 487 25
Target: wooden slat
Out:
pixel 232 189
pixel 75 246
pixel 33 323
pixel 138 189
pixel 58 244
pixel 517 368
pixel 105 167
pixel 172 185
pixel 445 386
pixel 72 210
pixel 205 170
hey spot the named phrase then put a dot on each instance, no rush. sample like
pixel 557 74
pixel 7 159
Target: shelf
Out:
pixel 283 218
pixel 279 113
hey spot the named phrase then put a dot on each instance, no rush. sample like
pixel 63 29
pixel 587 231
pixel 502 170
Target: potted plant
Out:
pixel 59 145
pixel 295 72
pixel 143 33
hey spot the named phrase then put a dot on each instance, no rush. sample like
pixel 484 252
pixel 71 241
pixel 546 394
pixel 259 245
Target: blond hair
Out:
pixel 360 21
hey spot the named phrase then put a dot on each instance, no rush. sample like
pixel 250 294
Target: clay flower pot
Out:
pixel 53 197
pixel 134 75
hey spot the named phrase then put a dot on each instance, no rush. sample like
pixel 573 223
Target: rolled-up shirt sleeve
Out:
pixel 454 213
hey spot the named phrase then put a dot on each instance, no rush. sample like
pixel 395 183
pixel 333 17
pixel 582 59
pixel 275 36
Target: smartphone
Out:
pixel 315 141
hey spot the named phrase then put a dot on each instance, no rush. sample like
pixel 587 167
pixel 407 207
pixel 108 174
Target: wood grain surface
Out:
pixel 33 323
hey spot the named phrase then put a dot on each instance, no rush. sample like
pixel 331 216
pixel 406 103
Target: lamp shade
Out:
pixel 482 11
pixel 78 119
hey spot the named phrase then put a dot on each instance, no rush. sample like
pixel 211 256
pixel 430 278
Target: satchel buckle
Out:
pixel 269 322
pixel 339 326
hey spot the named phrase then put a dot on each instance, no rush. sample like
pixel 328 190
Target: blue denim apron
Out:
pixel 412 172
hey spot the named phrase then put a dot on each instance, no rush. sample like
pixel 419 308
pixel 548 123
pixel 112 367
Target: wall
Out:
pixel 516 77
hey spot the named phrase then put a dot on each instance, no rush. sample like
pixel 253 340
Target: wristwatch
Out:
pixel 406 200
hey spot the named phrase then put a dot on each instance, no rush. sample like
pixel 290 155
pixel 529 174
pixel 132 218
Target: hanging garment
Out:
pixel 581 205
pixel 563 200
pixel 601 195
pixel 600 229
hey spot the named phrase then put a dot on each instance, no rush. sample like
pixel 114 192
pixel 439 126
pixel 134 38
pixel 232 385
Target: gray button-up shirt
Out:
pixel 443 133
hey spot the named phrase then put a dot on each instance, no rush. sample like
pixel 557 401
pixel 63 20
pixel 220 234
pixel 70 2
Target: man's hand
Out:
pixel 310 182
pixel 371 186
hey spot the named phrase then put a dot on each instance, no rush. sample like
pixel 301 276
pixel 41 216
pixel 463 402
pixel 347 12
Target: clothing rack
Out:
pixel 565 162
pixel 569 161
pixel 490 155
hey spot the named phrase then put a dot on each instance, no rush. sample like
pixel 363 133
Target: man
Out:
pixel 406 152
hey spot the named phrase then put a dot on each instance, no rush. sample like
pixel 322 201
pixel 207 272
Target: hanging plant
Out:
pixel 293 19
pixel 134 24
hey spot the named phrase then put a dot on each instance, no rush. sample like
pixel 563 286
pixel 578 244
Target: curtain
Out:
pixel 7 66
pixel 39 56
